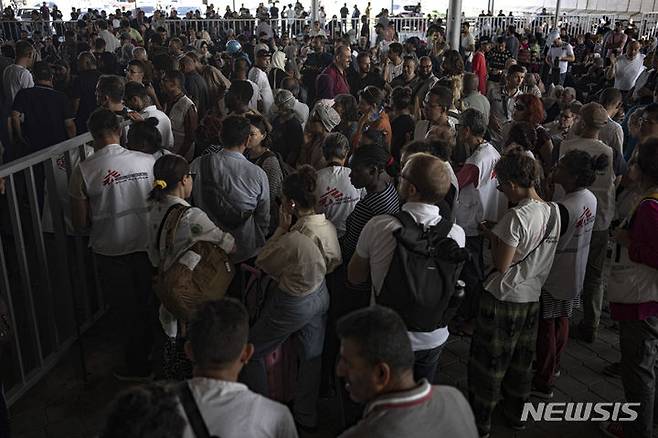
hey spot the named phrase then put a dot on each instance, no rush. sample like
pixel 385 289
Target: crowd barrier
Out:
pixel 46 270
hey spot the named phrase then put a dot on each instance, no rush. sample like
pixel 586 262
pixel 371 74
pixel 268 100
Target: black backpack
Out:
pixel 421 283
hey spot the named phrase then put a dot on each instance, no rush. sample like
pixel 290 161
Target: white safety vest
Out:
pixel 118 182
pixel 483 202
pixel 567 275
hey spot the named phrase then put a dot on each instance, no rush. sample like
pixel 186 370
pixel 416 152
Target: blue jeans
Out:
pixel 425 363
pixel 283 316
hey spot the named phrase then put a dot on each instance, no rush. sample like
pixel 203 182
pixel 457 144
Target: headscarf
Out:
pixel 279 60
pixel 327 116
pixel 284 100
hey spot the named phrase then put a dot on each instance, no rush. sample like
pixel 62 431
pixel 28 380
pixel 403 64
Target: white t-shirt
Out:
pixel 465 42
pixel 567 275
pixel 253 102
pixel 259 77
pixel 230 409
pixel 612 134
pixel 604 184
pixel 377 244
pixel 336 195
pixel 164 125
pixel 627 71
pixel 523 227
pixel 564 50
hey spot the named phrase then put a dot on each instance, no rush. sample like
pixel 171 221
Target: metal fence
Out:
pixel 46 271
pixel 577 22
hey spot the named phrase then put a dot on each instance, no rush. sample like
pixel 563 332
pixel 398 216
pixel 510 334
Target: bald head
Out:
pixel 429 177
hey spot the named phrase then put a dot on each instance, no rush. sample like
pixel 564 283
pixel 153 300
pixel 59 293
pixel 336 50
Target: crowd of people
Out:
pixel 308 159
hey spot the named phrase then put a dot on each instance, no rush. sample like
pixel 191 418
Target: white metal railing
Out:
pixel 648 25
pixel 46 273
pixel 577 22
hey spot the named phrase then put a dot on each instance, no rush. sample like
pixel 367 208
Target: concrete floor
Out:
pixel 62 406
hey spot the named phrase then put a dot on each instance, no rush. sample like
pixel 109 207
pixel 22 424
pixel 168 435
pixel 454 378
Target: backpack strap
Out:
pixel 549 227
pixel 198 425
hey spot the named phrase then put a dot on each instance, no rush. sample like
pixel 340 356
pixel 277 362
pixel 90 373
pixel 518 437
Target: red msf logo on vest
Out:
pixel 110 177
pixel 585 218
pixel 334 195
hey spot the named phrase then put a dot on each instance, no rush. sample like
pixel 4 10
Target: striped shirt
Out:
pixel 373 204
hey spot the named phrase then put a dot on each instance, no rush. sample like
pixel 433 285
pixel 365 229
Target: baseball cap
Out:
pixel 593 115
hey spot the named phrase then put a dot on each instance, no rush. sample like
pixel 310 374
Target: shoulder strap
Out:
pixel 168 226
pixel 264 156
pixel 549 227
pixel 407 220
pixel 191 408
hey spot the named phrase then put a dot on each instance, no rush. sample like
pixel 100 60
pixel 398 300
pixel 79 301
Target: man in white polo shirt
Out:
pixel 109 192
pixel 424 182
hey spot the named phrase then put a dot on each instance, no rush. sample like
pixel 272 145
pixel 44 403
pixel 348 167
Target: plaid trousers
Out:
pixel 502 349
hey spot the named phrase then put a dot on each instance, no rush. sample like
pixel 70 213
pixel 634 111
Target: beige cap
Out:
pixel 593 115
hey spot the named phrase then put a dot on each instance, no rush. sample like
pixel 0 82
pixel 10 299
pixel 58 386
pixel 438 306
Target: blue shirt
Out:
pixel 246 188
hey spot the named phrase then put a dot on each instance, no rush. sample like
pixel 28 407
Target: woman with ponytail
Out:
pixel 575 172
pixel 173 184
pixel 298 257
pixel 144 136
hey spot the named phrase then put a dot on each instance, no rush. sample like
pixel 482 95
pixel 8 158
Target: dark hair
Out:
pixel 475 121
pixel 350 111
pixel 523 134
pixel 175 76
pixel 235 131
pixel 395 48
pixel 134 89
pixel 42 71
pixel 300 186
pixel 111 86
pixel 24 49
pixel 518 168
pixel 144 136
pixel 444 95
pixel 453 64
pixel 515 68
pixel 171 169
pixel 380 335
pixel 87 60
pixel 242 91
pixel 370 155
pixel 102 122
pixel 647 159
pixel 99 44
pixel 148 411
pixel 373 95
pixel 401 97
pixel 218 332
pixel 583 166
pixel 263 126
pixel 164 62
pixel 335 145
pixel 609 96
pixel 137 63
